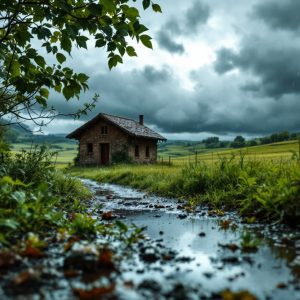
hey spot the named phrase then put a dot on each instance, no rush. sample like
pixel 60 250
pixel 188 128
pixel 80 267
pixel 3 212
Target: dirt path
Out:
pixel 184 256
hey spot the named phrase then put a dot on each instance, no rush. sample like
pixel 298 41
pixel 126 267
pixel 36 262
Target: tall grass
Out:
pixel 264 188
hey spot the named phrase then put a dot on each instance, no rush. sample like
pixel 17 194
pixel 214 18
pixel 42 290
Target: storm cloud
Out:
pixel 218 68
pixel 166 42
pixel 277 68
pixel 279 14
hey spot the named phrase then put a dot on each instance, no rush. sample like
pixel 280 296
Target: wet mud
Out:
pixel 183 255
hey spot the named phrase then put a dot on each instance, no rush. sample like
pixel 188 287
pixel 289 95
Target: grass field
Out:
pixel 277 151
pixel 65 156
pixel 180 153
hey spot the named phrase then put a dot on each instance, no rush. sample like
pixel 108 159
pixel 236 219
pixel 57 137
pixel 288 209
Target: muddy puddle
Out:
pixel 269 271
pixel 182 255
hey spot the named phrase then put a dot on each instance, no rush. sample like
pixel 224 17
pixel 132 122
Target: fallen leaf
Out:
pixel 281 285
pixel 23 276
pixel 245 295
pixel 129 283
pixel 105 259
pixel 94 292
pixel 71 273
pixel 107 216
pixel 8 259
pixel 225 224
pixel 232 247
pixel 32 252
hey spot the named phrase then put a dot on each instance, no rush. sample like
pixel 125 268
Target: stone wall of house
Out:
pixel 143 143
pixel 116 138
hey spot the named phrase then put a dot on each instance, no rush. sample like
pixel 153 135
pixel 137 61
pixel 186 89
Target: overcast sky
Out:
pixel 219 67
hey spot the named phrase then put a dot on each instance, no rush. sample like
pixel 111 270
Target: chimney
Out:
pixel 141 119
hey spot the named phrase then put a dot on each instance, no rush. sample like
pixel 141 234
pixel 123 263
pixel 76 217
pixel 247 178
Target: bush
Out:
pixel 121 156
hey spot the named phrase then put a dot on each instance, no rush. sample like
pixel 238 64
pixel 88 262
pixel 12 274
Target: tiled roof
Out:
pixel 132 127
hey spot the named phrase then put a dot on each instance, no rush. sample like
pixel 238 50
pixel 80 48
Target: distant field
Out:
pixel 179 152
pixel 269 151
pixel 64 157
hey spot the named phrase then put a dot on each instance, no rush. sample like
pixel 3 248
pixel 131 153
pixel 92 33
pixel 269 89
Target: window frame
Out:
pixel 147 155
pixel 89 146
pixel 104 130
pixel 137 151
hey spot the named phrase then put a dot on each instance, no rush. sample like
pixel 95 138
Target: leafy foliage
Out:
pixel 58 26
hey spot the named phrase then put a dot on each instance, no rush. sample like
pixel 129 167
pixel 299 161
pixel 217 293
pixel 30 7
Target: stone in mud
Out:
pixel 149 284
pixel 184 259
pixel 231 260
pixel 130 203
pixel 182 216
pixel 149 254
pixel 82 258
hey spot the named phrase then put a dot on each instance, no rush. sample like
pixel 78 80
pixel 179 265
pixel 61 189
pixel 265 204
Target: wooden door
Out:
pixel 104 154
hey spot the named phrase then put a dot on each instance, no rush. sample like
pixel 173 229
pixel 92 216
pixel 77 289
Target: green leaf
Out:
pixel 40 61
pixel 60 58
pixel 58 87
pixel 71 30
pixel 68 92
pixel 121 49
pixel 44 93
pixel 25 61
pixel 132 12
pixel 109 5
pixel 121 31
pixel 82 77
pixel 107 30
pixel 65 44
pixel 95 9
pixel 146 3
pixel 81 41
pixel 2 54
pixel 112 62
pixel 119 58
pixel 111 46
pixel 122 226
pixel 18 197
pixel 145 39
pixel 131 51
pixel 141 29
pixel 21 85
pixel 100 43
pixel 156 8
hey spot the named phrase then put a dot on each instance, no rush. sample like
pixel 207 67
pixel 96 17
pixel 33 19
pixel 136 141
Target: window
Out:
pixel 103 129
pixel 137 151
pixel 89 147
pixel 147 151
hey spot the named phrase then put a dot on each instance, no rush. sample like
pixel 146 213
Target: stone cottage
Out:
pixel 105 134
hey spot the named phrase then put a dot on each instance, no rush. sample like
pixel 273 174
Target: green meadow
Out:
pixel 66 151
pixel 182 152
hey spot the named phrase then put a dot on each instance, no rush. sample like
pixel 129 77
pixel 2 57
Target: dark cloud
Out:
pixel 277 67
pixel 166 42
pixel 196 15
pixel 279 14
pixel 215 105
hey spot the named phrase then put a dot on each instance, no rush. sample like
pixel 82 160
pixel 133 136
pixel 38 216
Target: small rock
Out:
pixel 182 216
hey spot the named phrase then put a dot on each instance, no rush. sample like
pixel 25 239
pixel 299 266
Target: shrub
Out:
pixel 121 156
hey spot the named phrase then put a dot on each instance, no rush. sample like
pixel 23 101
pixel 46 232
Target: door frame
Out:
pixel 100 153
